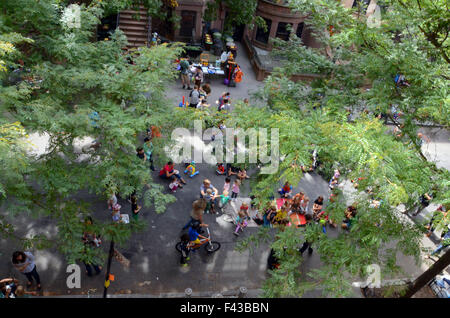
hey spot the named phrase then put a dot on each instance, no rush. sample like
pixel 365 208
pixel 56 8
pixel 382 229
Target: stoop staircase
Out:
pixel 136 26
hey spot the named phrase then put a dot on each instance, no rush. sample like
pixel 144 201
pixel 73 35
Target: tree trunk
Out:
pixel 428 275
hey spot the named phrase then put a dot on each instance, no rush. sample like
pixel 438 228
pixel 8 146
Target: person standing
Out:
pixel 135 208
pixel 141 154
pixel 210 198
pixel 224 99
pixel 24 263
pixel 198 76
pixel 445 241
pixel 425 200
pixel 198 208
pixel 307 244
pixel 185 249
pixel 194 97
pixel 184 71
pixel 116 212
pixel 235 189
pixel 224 59
pixel 112 199
pixel 90 240
pixel 227 184
pixel 148 150
pixel 440 210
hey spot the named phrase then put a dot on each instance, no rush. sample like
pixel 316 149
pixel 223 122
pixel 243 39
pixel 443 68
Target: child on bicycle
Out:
pixel 194 236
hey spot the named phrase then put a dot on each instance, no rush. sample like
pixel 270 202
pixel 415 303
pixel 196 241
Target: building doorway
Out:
pixel 187 23
pixel 107 26
pixel 164 27
pixel 238 32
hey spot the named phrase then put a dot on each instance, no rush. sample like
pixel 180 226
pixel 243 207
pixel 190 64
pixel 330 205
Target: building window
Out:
pixel 282 31
pixel 187 22
pixel 300 30
pixel 261 35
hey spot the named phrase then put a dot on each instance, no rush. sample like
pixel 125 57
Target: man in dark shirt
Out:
pixel 184 70
pixel 141 154
pixel 306 244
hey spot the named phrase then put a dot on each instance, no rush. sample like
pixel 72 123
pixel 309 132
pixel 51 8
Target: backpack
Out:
pixel 239 74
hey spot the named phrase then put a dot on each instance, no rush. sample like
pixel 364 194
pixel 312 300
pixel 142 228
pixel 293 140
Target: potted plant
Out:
pixel 193 51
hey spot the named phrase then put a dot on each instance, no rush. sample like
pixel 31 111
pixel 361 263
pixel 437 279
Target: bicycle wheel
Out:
pixel 178 247
pixel 212 246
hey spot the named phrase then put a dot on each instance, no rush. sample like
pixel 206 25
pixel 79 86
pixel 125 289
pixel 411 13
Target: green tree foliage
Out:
pixel 66 79
pixel 239 12
pixel 355 70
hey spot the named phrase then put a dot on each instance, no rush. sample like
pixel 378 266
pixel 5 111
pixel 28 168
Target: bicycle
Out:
pixel 210 247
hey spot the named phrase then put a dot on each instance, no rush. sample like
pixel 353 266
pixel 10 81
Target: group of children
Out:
pixel 281 216
pixel 230 192
pixel 243 216
pixel 115 207
pixel 299 204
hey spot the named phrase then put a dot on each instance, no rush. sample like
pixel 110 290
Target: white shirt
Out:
pixel 224 57
pixel 113 199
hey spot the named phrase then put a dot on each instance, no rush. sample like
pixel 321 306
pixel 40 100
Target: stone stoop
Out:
pixel 135 25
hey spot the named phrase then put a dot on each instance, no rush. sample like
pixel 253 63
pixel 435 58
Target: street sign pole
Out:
pixel 107 280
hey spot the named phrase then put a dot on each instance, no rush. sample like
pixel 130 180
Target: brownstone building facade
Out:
pixel 277 16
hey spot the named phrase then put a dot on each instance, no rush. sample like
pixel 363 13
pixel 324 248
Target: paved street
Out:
pixel 154 267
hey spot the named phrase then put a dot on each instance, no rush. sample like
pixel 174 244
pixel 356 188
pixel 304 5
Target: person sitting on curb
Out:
pixel 168 171
pixel 285 191
pixel 8 287
pixel 205 186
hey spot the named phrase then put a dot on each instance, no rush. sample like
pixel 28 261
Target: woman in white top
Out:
pixel 223 59
pixel 24 262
